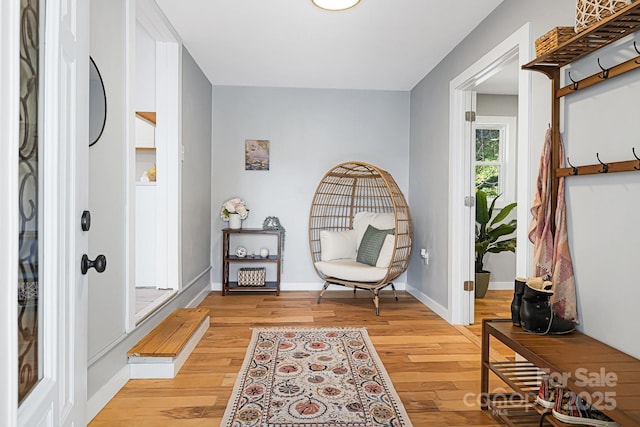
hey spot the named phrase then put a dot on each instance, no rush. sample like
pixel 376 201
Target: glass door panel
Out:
pixel 29 285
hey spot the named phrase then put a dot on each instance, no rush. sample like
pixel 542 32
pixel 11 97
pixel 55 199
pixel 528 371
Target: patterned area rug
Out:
pixel 313 378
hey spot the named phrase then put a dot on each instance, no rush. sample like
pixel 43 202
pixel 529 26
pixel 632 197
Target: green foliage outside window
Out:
pixel 487 180
pixel 488 152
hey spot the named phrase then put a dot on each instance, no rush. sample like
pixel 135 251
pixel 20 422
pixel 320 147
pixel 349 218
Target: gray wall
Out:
pixel 108 341
pixel 107 185
pixel 602 233
pixel 310 132
pixel 497 105
pixel 503 265
pixel 196 169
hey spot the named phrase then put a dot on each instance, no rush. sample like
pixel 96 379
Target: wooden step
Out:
pixel 164 350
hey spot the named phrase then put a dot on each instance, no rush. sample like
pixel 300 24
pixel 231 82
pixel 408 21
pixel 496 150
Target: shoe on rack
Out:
pixel 547 393
pixel 536 314
pixel 572 409
pixel 519 284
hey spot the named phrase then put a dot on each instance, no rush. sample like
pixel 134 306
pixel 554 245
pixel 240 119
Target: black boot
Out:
pixel 536 314
pixel 519 284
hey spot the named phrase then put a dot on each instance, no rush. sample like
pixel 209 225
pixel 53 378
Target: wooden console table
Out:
pixel 610 377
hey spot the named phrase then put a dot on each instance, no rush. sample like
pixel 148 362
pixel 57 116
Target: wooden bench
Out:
pixel 164 350
pixel 607 378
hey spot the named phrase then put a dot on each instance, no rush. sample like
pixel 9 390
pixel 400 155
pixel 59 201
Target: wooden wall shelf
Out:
pixel 147 116
pixel 623 23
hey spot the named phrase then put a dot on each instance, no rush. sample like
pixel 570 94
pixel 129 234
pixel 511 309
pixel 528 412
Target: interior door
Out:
pixel 53 174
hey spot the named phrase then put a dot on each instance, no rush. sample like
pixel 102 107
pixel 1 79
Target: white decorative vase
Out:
pixel 264 252
pixel 235 222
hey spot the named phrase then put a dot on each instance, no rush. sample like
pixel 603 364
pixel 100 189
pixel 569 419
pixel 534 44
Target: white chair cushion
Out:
pixel 384 259
pixel 381 221
pixel 337 245
pixel 350 269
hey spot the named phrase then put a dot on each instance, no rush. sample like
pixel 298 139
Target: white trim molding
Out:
pixel 430 303
pixel 99 400
pixel 516 46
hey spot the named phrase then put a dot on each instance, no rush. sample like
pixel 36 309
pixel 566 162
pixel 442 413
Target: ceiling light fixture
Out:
pixel 335 4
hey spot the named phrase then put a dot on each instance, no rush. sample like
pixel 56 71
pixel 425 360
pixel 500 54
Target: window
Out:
pixel 495 157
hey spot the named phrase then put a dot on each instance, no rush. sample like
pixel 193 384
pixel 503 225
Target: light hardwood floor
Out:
pixel 432 364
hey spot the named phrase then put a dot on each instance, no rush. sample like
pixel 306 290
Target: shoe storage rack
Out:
pixel 607 31
pixel 582 360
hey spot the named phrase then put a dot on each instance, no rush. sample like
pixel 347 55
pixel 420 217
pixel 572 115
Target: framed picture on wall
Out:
pixel 256 154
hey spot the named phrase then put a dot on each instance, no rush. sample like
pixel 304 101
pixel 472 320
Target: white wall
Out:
pixel 310 132
pixel 603 209
pixel 145 89
pixel 602 232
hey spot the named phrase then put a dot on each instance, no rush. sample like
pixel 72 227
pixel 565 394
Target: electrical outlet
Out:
pixel 424 255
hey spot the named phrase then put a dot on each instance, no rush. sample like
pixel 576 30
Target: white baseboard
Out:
pixel 310 287
pixel 166 367
pixel 199 298
pixel 430 303
pixel 501 286
pixel 99 400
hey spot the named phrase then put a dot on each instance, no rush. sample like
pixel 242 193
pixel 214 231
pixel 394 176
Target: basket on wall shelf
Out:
pixel 553 39
pixel 251 276
pixel 588 12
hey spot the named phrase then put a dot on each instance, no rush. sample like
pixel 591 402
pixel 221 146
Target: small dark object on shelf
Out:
pixel 273 223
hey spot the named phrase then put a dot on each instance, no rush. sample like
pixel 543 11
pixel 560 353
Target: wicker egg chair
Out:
pixel 344 191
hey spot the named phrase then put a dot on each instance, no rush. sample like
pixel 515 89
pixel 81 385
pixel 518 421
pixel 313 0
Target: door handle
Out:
pixel 100 263
pixel 85 221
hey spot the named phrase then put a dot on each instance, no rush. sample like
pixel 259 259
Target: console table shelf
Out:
pixel 588 365
pixel 229 286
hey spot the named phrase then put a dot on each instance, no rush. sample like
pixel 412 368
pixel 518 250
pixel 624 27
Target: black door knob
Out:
pixel 85 221
pixel 100 263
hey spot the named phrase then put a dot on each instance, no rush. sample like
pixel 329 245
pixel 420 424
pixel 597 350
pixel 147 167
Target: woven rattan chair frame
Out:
pixel 354 187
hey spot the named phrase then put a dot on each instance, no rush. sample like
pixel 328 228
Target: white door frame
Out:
pixel 460 246
pixel 9 131
pixel 59 399
pixel 168 148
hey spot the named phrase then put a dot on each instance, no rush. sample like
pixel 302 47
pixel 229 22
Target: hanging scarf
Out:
pixel 540 230
pixel 552 255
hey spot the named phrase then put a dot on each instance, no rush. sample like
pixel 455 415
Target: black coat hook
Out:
pixel 635 46
pixel 605 72
pixel 605 166
pixel 637 158
pixel 575 83
pixel 575 169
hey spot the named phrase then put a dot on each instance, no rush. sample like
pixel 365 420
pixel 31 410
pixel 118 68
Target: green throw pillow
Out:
pixel 371 244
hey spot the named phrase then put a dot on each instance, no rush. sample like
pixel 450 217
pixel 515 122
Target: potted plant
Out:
pixel 234 211
pixel 489 230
